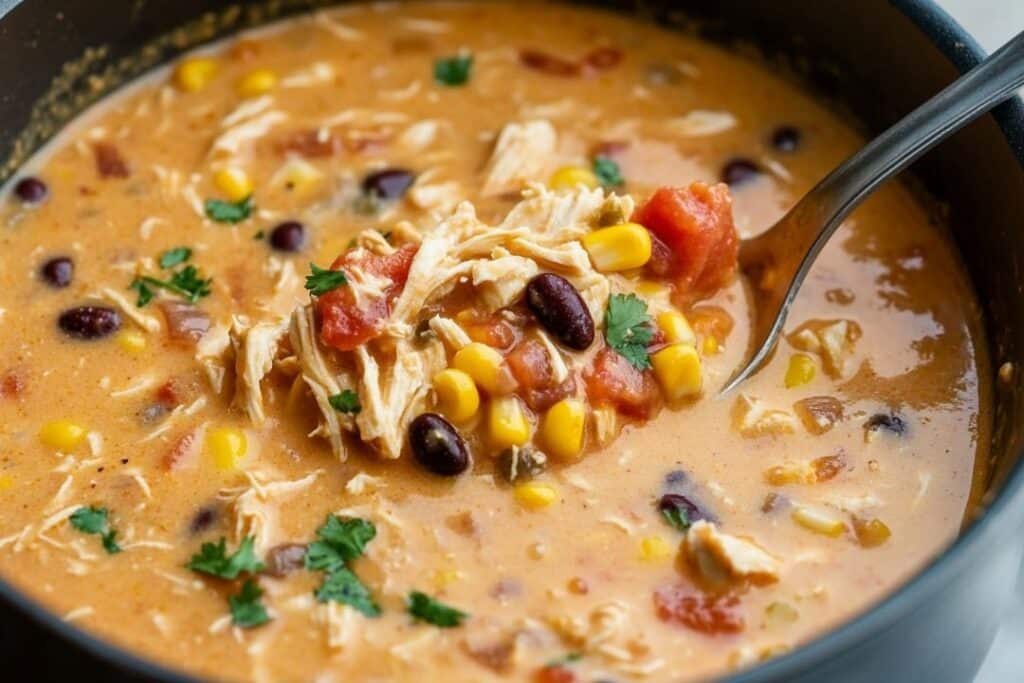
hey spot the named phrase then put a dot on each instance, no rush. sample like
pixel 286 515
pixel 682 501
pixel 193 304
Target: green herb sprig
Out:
pixel 453 71
pixel 627 329
pixel 425 608
pixel 96 520
pixel 323 280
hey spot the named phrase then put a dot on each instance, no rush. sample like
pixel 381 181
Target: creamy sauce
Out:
pixel 575 576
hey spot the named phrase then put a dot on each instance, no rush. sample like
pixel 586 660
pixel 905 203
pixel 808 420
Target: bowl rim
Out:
pixel 964 52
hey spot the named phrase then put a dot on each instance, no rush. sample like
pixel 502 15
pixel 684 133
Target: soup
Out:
pixel 385 344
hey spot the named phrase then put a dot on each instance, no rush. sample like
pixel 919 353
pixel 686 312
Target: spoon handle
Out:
pixel 791 246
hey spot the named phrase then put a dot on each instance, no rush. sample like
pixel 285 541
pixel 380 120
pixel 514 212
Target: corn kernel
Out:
pixel 619 247
pixel 63 435
pixel 818 521
pixel 649 289
pixel 456 393
pixel 677 369
pixel 800 371
pixel 561 431
pixel 297 176
pixel 194 74
pixel 871 532
pixel 6 482
pixel 710 346
pixel 782 475
pixel 482 363
pixel 654 549
pixel 535 495
pixel 227 447
pixel 233 182
pixel 257 82
pixel 132 341
pixel 676 328
pixel 507 423
pixel 444 577
pixel 570 177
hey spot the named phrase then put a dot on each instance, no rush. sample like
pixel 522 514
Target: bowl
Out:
pixel 875 59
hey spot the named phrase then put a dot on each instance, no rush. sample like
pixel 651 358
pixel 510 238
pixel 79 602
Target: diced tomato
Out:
pixel 492 330
pixel 531 366
pixel 345 323
pixel 177 391
pixel 13 382
pixel 555 674
pixel 612 380
pixel 708 614
pixel 696 243
pixel 182 452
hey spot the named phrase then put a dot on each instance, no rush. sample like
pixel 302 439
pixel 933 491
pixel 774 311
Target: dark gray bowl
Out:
pixel 877 58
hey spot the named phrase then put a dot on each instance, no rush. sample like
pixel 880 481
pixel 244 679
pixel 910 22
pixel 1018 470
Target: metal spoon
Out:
pixel 777 261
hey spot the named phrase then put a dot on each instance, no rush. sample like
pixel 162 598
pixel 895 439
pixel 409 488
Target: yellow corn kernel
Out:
pixel 297 176
pixel 619 247
pixel 132 341
pixel 800 371
pixel 871 532
pixel 783 475
pixel 677 369
pixel 535 495
pixel 227 446
pixel 194 74
pixel 654 549
pixel 63 435
pixel 818 521
pixel 445 577
pixel 561 431
pixel 649 289
pixel 482 363
pixel 676 328
pixel 6 482
pixel 457 396
pixel 569 177
pixel 233 182
pixel 507 423
pixel 257 82
pixel 710 346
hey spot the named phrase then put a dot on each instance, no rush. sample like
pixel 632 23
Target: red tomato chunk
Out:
pixel 708 614
pixel 555 674
pixel 695 242
pixel 612 380
pixel 531 366
pixel 345 324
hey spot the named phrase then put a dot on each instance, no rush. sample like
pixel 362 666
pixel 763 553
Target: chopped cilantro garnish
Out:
pixel 346 402
pixel 323 280
pixel 607 171
pixel 186 283
pixel 173 257
pixel 341 585
pixel 627 329
pixel 214 560
pixel 228 212
pixel 246 609
pixel 94 520
pixel 452 71
pixel 426 608
pixel 676 518
pixel 341 541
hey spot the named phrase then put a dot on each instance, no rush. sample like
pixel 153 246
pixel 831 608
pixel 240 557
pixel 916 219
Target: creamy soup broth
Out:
pixel 580 578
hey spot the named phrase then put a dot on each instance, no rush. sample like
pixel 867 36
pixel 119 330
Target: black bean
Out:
pixel 520 464
pixel 285 558
pixel 889 422
pixel 57 272
pixel 675 506
pixel 560 310
pixel 89 322
pixel 391 183
pixel 786 138
pixel 289 236
pixel 203 519
pixel 31 190
pixel 437 445
pixel 739 170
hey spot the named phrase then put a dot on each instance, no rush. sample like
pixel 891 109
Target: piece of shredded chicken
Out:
pixel 720 555
pixel 521 154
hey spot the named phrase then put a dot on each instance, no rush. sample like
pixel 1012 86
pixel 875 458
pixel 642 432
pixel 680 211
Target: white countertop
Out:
pixel 993 22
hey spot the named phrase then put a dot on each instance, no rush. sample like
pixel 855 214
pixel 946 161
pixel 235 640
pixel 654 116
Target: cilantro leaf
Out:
pixel 607 171
pixel 228 212
pixel 344 587
pixel 186 283
pixel 145 293
pixel 676 517
pixel 346 402
pixel 425 608
pixel 94 520
pixel 323 280
pixel 214 560
pixel 346 537
pixel 90 520
pixel 323 557
pixel 453 71
pixel 246 609
pixel 173 257
pixel 627 329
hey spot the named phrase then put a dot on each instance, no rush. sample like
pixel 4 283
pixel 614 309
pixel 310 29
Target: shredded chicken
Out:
pixel 150 323
pixel 255 507
pixel 212 353
pixel 521 154
pixel 715 553
pixel 753 418
pixel 256 347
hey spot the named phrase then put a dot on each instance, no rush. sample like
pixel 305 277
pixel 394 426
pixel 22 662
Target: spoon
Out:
pixel 777 261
